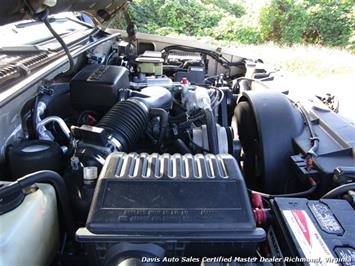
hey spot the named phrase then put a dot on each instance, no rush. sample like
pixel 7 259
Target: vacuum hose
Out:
pixel 212 132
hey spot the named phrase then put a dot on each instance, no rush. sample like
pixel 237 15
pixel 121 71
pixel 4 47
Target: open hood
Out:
pixel 15 10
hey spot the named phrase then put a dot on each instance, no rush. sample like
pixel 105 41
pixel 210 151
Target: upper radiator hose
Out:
pixel 125 122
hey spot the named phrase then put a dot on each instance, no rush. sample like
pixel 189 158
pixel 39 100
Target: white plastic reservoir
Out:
pixel 29 234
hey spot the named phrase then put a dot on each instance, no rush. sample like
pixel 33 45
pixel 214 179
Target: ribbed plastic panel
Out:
pixel 175 166
pixel 199 196
pixel 197 201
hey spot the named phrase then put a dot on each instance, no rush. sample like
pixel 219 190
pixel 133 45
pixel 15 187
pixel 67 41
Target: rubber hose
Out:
pixel 126 121
pixel 58 90
pixel 181 147
pixel 211 132
pixel 62 43
pixel 164 121
pixel 290 195
pixel 54 179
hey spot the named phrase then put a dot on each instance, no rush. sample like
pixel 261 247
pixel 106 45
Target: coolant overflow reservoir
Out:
pixel 29 234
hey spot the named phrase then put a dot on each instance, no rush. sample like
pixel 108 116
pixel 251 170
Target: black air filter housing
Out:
pixel 95 87
pixel 187 198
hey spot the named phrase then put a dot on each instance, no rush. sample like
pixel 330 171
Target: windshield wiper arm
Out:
pixel 22 49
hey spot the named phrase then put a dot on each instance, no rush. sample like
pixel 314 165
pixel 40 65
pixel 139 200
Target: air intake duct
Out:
pixel 122 126
pixel 125 122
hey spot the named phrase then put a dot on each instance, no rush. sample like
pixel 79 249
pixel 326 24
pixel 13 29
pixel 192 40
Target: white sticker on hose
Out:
pixel 311 242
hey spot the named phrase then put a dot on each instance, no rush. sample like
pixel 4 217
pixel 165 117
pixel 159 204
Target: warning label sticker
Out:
pixel 309 239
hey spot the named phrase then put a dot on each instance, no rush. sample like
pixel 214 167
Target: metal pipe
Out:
pixel 42 131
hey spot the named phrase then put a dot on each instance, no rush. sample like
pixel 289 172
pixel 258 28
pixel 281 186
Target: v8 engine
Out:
pixel 169 151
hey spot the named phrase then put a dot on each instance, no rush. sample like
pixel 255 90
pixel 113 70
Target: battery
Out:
pixel 315 232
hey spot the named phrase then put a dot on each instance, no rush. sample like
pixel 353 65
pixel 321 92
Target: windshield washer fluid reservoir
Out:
pixel 29 234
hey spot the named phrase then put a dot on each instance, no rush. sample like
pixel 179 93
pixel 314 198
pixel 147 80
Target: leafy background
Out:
pixel 323 22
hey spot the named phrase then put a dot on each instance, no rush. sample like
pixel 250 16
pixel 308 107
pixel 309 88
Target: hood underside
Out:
pixel 16 10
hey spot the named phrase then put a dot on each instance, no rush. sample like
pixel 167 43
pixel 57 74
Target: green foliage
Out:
pixel 189 17
pixel 233 9
pixel 324 22
pixel 233 29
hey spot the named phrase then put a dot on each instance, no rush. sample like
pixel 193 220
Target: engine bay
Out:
pixel 172 153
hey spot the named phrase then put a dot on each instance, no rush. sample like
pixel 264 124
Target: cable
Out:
pixel 216 97
pixel 62 43
pixel 43 16
pixel 216 56
pixel 312 152
pixel 290 195
pixel 34 117
pixel 253 80
pixel 212 54
pixel 338 191
pixel 220 98
pixel 109 57
pixel 187 124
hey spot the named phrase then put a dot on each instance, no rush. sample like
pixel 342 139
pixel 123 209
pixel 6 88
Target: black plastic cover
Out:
pixel 316 229
pixel 96 87
pixel 191 196
pixel 195 75
pixel 336 146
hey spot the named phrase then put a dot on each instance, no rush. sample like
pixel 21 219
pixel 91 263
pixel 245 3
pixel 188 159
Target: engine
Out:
pixel 172 153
